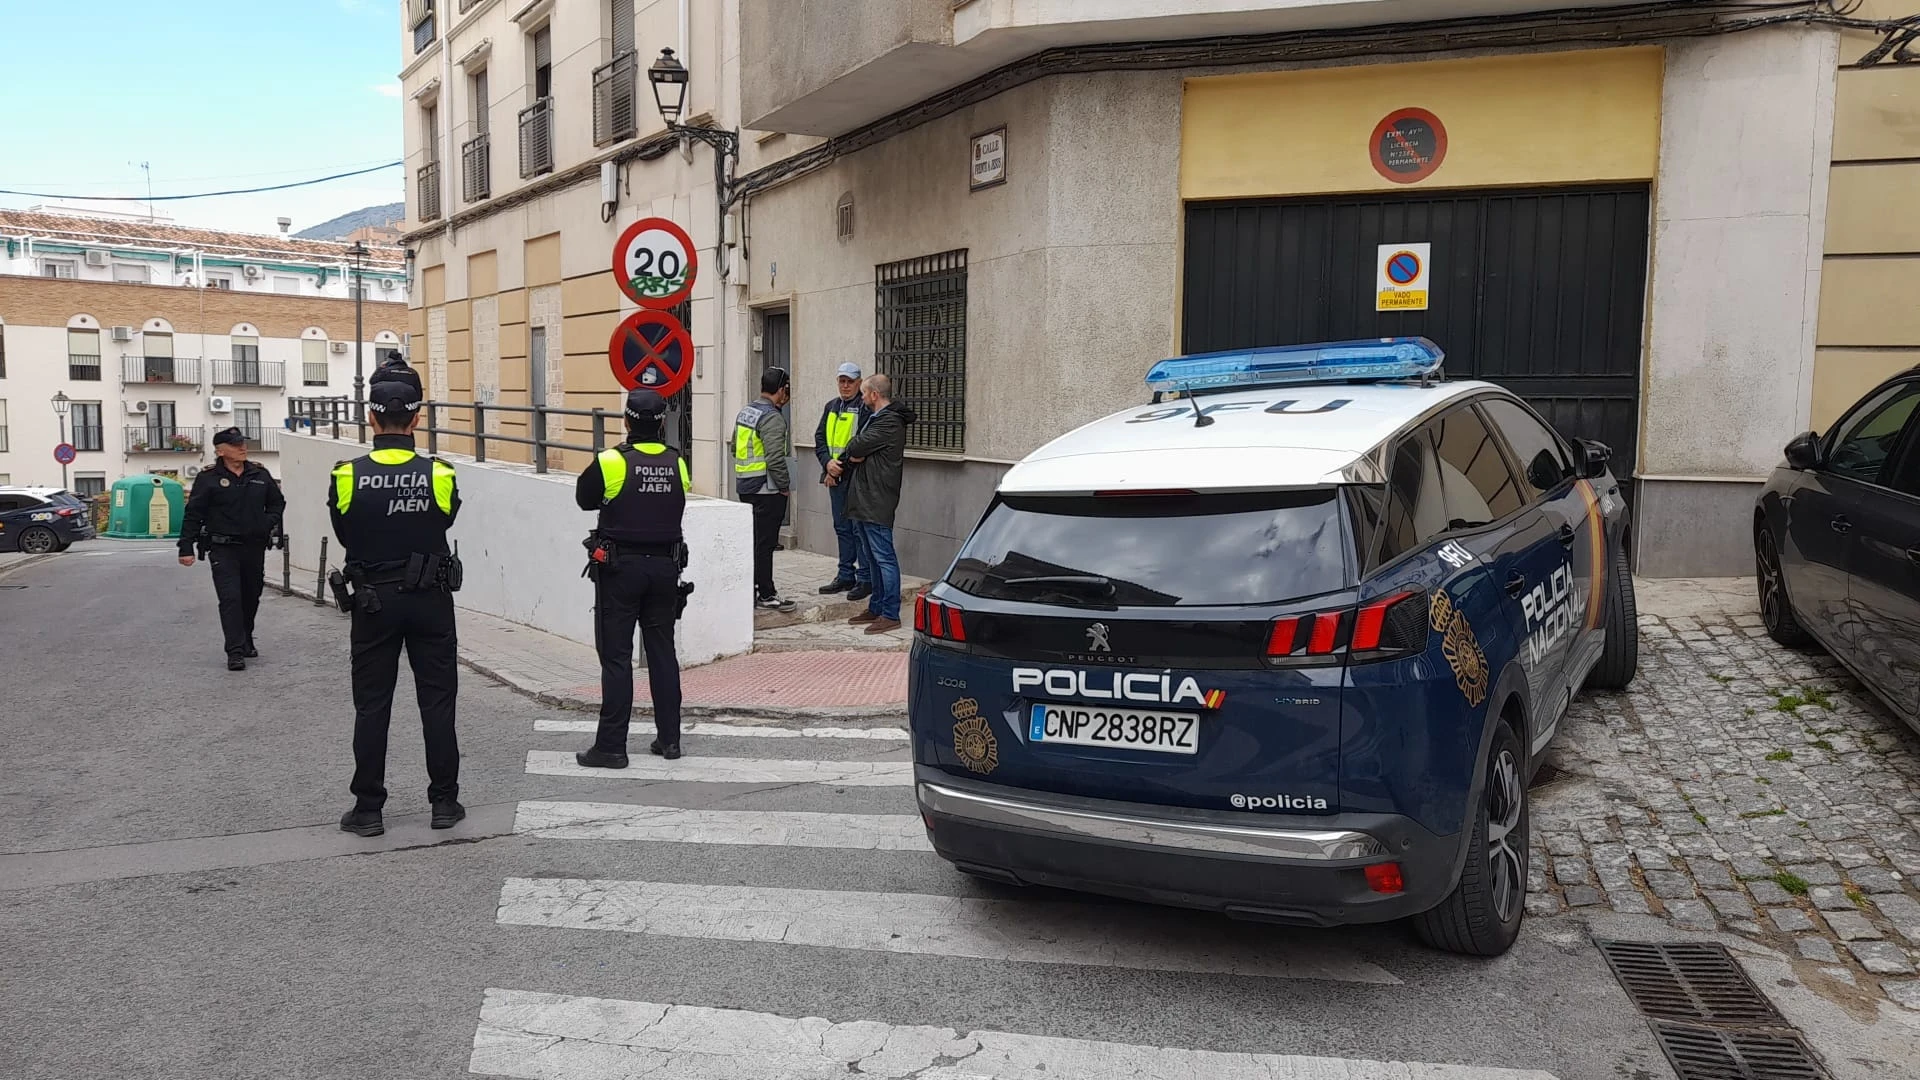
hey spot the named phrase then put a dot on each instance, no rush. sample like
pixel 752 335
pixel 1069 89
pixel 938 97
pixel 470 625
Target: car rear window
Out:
pixel 1157 551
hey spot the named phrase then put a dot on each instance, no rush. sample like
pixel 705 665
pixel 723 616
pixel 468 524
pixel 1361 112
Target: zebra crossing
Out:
pixel 635 817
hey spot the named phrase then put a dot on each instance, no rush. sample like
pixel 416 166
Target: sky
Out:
pixel 213 94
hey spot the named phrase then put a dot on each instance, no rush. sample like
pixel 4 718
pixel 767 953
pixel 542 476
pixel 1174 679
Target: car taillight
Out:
pixel 65 511
pixel 938 620
pixel 1386 878
pixel 1391 625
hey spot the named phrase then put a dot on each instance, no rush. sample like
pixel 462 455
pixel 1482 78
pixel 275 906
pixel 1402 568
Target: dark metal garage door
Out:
pixel 1540 290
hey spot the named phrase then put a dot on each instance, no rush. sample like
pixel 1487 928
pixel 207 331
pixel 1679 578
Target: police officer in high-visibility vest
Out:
pixel 838 421
pixel 391 510
pixel 762 477
pixel 639 488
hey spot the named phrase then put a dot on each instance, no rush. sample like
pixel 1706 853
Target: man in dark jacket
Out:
pixel 843 417
pixel 237 505
pixel 873 495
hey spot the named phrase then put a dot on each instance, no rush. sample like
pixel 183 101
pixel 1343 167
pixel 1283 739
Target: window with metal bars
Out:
pixel 920 342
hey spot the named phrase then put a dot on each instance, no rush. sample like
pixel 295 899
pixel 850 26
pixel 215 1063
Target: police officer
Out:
pixel 391 510
pixel 232 516
pixel 635 557
pixel 761 477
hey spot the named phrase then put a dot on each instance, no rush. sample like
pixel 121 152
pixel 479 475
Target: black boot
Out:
pixel 250 652
pixel 837 585
pixel 236 663
pixel 362 823
pixel 860 592
pixel 447 814
pixel 670 751
pixel 597 758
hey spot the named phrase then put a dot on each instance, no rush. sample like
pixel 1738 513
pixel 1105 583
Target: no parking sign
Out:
pixel 1403 277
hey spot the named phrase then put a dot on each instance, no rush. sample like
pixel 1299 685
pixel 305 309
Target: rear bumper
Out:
pixel 1282 868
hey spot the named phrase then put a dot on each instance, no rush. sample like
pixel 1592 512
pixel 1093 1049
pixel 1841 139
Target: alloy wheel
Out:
pixel 37 542
pixel 1773 597
pixel 1506 804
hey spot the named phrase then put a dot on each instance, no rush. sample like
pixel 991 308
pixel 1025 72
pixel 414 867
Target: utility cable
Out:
pixel 203 194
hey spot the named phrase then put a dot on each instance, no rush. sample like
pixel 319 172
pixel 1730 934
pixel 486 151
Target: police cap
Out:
pixel 232 436
pixel 393 397
pixel 396 370
pixel 644 404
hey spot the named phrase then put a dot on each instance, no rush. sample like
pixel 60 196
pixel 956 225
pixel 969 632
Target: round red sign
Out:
pixel 654 263
pixel 651 350
pixel 1409 146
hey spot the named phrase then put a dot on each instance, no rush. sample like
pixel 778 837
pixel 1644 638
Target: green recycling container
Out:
pixel 146 507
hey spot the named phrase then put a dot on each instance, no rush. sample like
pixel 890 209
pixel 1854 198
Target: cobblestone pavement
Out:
pixel 1742 787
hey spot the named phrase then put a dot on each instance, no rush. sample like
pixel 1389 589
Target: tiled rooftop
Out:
pixel 264 247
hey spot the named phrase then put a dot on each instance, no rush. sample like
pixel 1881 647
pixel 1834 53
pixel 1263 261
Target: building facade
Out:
pixel 150 364
pixel 1684 230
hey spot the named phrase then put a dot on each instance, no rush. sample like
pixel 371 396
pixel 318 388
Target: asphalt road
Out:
pixel 175 901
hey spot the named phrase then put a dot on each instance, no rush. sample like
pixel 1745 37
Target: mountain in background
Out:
pixel 342 227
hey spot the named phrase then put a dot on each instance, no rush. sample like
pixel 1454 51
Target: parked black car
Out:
pixel 42 520
pixel 1837 543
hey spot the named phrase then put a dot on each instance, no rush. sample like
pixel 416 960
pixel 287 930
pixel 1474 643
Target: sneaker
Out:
pixel 670 751
pixel 860 592
pixel 863 617
pixel 597 758
pixel 775 603
pixel 447 814
pixel 881 626
pixel 837 585
pixel 362 823
pixel 236 663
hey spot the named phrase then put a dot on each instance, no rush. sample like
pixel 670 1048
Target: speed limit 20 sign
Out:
pixel 654 263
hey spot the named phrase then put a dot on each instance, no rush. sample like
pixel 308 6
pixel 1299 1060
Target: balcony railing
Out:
pixel 164 439
pixel 476 168
pixel 429 176
pixel 615 84
pixel 83 366
pixel 536 138
pixel 164 370
pixel 249 373
pixel 265 440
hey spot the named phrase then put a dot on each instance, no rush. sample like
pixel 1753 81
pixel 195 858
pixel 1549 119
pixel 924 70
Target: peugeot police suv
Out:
pixel 1286 643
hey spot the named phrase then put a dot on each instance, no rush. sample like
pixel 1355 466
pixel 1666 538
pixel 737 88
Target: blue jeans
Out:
pixel 885 567
pixel 855 564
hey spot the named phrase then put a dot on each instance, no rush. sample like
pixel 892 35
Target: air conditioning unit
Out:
pixel 190 470
pixel 96 257
pixel 386 284
pixel 338 346
pixel 252 270
pixel 122 333
pixel 219 404
pixel 136 408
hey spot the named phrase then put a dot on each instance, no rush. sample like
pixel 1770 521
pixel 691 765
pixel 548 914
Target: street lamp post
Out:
pixel 61 403
pixel 669 78
pixel 358 253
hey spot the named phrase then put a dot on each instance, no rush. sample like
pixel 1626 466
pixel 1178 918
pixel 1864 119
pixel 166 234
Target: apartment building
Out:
pixel 153 336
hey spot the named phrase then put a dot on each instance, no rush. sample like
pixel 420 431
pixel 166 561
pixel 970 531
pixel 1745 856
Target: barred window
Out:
pixel 920 342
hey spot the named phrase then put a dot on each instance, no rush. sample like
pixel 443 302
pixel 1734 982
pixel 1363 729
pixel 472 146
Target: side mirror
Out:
pixel 1804 451
pixel 1594 457
pixel 1544 471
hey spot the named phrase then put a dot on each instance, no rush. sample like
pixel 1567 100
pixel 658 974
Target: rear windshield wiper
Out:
pixel 1089 580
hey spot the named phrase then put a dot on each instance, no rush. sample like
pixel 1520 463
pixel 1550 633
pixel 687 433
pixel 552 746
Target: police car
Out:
pixel 1287 643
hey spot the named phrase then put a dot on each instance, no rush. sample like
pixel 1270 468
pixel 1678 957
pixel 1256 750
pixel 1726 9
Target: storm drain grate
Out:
pixel 1689 981
pixel 1699 1053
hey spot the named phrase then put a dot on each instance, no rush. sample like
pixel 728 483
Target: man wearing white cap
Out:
pixel 843 416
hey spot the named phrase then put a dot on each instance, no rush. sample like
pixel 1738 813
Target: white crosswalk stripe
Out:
pixel 555 1037
pixel 725 770
pixel 742 731
pixel 1040 932
pixel 672 824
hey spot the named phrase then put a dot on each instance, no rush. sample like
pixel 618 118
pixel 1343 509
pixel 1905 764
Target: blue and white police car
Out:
pixel 1287 643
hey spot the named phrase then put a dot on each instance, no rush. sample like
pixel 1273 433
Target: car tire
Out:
pixel 1620 659
pixel 1776 607
pixel 38 540
pixel 1482 916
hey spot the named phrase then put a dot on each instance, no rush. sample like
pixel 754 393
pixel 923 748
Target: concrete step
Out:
pixel 799 574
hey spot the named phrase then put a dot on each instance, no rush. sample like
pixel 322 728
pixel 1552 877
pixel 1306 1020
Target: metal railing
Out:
pixel 265 440
pixel 83 366
pixel 476 168
pixel 249 373
pixel 164 439
pixel 536 138
pixel 164 370
pixel 615 88
pixel 340 418
pixel 429 180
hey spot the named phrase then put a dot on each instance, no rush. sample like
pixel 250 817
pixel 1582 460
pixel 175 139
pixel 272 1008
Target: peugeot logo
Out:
pixel 1097 638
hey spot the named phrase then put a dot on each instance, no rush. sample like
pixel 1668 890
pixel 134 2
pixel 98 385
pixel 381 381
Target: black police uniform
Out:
pixel 239 514
pixel 639 489
pixel 391 510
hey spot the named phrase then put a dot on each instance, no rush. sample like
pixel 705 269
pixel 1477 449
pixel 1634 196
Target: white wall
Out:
pixel 519 536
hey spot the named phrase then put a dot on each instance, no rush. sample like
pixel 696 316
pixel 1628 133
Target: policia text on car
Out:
pixel 634 558
pixel 391 510
pixel 232 516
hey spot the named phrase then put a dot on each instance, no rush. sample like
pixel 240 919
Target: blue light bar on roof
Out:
pixel 1332 361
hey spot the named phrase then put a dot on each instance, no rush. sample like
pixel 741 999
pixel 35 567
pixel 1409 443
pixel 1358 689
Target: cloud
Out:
pixel 391 89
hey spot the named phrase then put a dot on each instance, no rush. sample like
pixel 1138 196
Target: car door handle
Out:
pixel 1840 524
pixel 1516 583
pixel 1567 534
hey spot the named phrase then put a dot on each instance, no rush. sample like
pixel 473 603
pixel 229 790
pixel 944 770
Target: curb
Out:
pixel 699 712
pixel 833 610
pixel 24 563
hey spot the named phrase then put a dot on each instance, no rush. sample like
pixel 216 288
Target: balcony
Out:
pixel 429 190
pixel 83 366
pixel 164 439
pixel 536 138
pixel 249 373
pixel 826 67
pixel 263 441
pixel 615 85
pixel 160 370
pixel 476 168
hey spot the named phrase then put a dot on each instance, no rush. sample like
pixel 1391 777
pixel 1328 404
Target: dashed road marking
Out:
pixel 672 824
pixel 727 770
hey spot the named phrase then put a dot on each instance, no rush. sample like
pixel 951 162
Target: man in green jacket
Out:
pixel 762 477
pixel 879 448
